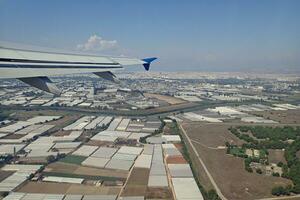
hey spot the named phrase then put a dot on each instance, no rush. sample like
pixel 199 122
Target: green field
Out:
pixel 73 159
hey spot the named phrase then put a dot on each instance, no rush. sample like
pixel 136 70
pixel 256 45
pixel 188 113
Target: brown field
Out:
pixel 137 183
pixel 98 143
pixel 276 156
pixel 81 170
pixel 168 99
pixel 138 176
pixel 211 135
pixel 33 160
pixel 179 146
pixel 44 187
pixel 101 172
pixel 5 174
pixel 27 114
pixel 159 193
pixel 287 116
pixel 228 171
pixel 176 160
pixel 167 130
pixel 66 188
pixel 13 136
pixel 136 190
pixel 85 189
pixel 61 133
pixel 61 167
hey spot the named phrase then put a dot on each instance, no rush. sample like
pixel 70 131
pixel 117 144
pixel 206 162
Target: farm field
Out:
pixel 66 188
pixel 68 168
pixel 73 159
pixel 242 185
pixel 159 193
pixel 5 174
pixel 287 116
pixel 137 182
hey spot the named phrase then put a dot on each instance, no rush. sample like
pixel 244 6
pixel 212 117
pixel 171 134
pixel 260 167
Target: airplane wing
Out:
pixel 33 67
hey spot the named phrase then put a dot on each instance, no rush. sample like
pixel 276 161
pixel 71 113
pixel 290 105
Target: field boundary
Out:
pixel 192 150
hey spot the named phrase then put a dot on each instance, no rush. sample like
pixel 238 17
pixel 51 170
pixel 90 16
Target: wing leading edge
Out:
pixel 33 67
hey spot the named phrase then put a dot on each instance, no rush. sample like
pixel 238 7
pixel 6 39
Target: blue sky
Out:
pixel 229 35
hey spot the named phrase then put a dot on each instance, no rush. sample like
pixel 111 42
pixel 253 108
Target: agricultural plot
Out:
pixel 73 159
pixel 223 167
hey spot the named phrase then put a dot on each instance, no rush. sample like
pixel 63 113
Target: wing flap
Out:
pixel 42 83
pixel 108 76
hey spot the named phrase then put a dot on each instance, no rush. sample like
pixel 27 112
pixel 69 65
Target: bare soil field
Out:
pixel 211 135
pixel 81 170
pixel 138 176
pixel 137 182
pixel 5 174
pixel 168 99
pixel 61 167
pixel 276 156
pixel 13 136
pixel 179 146
pixel 45 187
pixel 98 143
pixel 134 190
pixel 61 133
pixel 159 193
pixel 101 172
pixel 287 116
pixel 167 130
pixel 176 160
pixel 32 160
pixel 27 114
pixel 87 189
pixel 228 171
pixel 66 188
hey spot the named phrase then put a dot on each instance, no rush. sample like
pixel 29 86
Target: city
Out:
pixel 149 100
pixel 105 141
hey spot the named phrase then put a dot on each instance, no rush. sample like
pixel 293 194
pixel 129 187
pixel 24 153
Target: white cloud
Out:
pixel 97 43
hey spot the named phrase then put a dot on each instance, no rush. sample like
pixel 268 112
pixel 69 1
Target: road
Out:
pixel 217 189
pixel 282 198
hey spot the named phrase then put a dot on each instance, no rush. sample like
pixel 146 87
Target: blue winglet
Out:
pixel 148 62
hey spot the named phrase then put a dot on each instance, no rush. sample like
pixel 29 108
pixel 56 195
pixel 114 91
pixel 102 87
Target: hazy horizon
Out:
pixel 217 36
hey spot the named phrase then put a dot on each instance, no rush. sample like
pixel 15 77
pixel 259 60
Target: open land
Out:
pixel 169 99
pixel 66 188
pixel 281 116
pixel 228 171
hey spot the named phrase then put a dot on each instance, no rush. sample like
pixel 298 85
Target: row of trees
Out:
pixel 293 164
pixel 272 133
pixel 267 143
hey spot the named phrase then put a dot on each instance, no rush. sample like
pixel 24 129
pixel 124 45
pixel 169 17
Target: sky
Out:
pixel 211 35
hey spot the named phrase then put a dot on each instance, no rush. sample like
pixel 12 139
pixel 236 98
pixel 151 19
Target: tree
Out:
pixel 51 159
pixel 276 174
pixel 280 164
pixel 280 191
pixel 259 171
pixel 212 195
